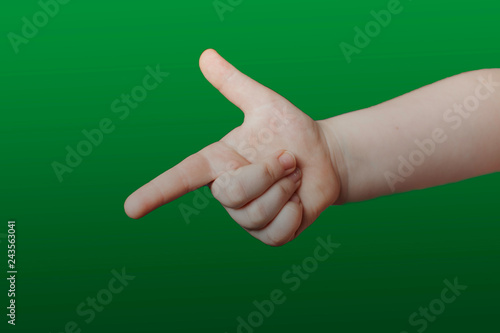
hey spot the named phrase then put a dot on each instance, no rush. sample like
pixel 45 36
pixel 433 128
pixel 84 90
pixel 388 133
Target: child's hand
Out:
pixel 274 201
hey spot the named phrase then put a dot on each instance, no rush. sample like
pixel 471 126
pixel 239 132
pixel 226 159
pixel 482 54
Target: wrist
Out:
pixel 332 134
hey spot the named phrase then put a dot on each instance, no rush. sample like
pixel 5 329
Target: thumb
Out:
pixel 242 91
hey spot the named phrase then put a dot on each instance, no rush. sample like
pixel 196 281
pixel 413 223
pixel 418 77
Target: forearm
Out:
pixel 442 133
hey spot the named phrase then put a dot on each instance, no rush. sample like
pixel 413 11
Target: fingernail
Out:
pixel 295 198
pixel 287 160
pixel 296 175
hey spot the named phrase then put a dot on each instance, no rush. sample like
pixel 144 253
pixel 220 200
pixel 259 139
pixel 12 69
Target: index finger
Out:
pixel 192 173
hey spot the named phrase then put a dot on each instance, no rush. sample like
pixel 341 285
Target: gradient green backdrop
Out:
pixel 199 277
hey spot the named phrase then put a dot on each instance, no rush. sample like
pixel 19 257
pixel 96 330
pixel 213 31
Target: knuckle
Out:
pixel 285 188
pixel 269 172
pixel 257 216
pixel 235 194
pixel 217 189
pixel 214 188
pixel 276 240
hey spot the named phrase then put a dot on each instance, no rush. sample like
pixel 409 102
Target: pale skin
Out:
pixel 278 171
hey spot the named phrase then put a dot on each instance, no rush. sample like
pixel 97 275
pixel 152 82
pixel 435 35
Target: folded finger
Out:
pixel 259 212
pixel 282 229
pixel 236 188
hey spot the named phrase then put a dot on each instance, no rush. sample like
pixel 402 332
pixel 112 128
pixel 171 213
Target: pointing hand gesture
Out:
pixel 274 174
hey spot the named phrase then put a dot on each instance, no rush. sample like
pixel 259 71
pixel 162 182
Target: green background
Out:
pixel 199 277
